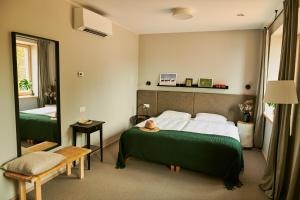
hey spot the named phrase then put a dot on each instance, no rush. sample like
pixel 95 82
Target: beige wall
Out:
pixel 108 89
pixel 230 57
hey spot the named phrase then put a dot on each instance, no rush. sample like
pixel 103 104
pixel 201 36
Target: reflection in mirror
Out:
pixel 36 81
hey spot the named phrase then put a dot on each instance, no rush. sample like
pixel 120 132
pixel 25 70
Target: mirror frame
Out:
pixel 16 89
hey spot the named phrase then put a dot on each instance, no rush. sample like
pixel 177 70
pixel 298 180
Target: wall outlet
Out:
pixel 82 109
pixel 80 74
pixel 146 105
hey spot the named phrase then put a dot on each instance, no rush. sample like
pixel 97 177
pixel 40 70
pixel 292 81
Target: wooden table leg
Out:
pixel 22 190
pixel 101 143
pixel 74 142
pixel 81 168
pixel 89 147
pixel 69 169
pixel 38 189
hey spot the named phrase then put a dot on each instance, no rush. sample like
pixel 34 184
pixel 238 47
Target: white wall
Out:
pixel 108 89
pixel 229 57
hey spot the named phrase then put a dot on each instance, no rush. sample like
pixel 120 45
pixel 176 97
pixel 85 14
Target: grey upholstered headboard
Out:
pixel 191 102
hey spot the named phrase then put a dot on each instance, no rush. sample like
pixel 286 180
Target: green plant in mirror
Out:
pixel 272 105
pixel 25 85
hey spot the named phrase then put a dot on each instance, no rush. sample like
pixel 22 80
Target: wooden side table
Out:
pixel 88 129
pixel 246 130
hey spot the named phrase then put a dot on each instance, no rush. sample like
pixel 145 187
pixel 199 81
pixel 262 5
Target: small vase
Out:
pixel 246 117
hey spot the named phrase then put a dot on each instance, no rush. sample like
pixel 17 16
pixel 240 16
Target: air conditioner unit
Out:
pixel 88 21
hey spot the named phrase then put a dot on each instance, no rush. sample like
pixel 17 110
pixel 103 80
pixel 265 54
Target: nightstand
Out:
pixel 246 130
pixel 88 129
pixel 140 118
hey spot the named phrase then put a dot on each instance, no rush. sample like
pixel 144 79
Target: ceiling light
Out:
pixel 240 15
pixel 182 13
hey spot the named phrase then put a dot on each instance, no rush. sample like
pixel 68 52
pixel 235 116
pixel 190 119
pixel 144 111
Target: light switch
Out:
pixel 82 109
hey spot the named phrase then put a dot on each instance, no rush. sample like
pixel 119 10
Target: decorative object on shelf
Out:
pixel 247 110
pixel 194 86
pixel 248 86
pixel 168 79
pixel 220 86
pixel 205 82
pixel 148 83
pixel 189 82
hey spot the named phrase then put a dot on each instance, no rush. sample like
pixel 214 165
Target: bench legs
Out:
pixel 38 189
pixel 22 190
pixel 69 170
pixel 81 168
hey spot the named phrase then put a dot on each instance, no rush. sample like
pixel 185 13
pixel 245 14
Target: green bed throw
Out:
pixel 212 154
pixel 38 127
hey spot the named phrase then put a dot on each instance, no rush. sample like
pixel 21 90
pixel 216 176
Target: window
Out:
pixel 274 64
pixel 24 69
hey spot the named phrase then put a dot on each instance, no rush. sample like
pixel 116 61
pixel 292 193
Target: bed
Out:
pixel 198 144
pixel 39 124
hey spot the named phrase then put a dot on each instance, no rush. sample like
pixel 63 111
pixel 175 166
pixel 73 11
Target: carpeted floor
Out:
pixel 142 180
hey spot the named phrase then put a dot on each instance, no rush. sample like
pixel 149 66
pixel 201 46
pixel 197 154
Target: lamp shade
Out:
pixel 281 92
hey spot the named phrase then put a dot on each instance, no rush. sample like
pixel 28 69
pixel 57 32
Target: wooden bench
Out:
pixel 71 153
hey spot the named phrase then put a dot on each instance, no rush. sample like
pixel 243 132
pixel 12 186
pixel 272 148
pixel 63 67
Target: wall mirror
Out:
pixel 36 88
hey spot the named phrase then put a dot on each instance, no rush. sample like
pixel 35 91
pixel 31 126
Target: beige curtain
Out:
pixel 259 108
pixel 280 139
pixel 43 72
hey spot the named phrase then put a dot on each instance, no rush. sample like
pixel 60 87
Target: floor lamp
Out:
pixel 280 92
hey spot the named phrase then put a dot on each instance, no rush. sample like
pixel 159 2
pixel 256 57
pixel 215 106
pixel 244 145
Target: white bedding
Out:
pixel 48 111
pixel 215 128
pixel 197 126
pixel 167 123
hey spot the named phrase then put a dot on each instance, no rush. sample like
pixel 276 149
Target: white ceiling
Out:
pixel 154 16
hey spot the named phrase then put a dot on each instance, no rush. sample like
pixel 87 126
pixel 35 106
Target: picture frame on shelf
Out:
pixel 168 79
pixel 205 82
pixel 188 82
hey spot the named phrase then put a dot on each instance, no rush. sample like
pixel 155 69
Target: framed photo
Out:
pixel 205 82
pixel 188 82
pixel 168 79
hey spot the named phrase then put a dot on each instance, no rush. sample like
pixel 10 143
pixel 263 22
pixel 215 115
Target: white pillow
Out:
pixel 210 117
pixel 170 114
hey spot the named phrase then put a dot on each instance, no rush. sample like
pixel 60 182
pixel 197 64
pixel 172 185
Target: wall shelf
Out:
pixel 193 86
